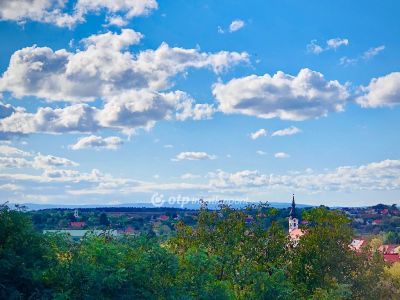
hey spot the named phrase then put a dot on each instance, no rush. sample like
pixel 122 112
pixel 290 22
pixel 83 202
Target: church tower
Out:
pixel 293 221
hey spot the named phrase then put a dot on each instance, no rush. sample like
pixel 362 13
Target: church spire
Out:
pixel 293 221
pixel 293 209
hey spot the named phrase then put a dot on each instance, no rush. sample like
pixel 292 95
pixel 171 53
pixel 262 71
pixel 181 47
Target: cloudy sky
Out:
pixel 107 102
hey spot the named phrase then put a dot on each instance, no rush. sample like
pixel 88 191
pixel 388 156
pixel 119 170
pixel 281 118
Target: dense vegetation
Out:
pixel 223 257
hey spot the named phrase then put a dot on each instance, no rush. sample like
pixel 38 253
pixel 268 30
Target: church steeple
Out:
pixel 293 209
pixel 293 221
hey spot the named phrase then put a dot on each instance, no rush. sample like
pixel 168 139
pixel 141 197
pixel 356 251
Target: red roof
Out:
pixel 389 249
pixel 77 224
pixel 391 258
pixel 376 222
pixel 164 217
pixel 129 230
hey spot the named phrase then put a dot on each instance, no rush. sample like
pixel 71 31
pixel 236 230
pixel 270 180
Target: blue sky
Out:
pixel 111 102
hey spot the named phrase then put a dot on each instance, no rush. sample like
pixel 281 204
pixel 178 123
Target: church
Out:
pixel 295 233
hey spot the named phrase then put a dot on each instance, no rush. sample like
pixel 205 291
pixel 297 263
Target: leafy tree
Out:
pixel 103 220
pixel 322 259
pixel 22 252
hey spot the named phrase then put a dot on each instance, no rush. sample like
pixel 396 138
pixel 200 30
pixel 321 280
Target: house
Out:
pixel 163 218
pixel 129 230
pixel 357 244
pixel 391 258
pixel 389 249
pixel 77 224
pixel 384 211
pixel 377 222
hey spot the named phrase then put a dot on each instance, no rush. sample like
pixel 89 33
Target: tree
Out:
pixel 322 259
pixel 22 256
pixel 103 220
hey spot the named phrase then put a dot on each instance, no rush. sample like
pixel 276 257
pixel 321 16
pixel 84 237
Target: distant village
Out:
pixel 377 225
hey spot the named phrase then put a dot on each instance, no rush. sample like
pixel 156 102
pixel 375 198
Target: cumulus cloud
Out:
pixel 193 156
pixel 57 13
pixel 236 25
pixel 14 162
pixel 74 118
pixel 281 155
pixel 104 68
pixel 304 96
pixel 287 131
pixel 128 85
pixel 376 176
pixel 315 48
pixel 380 92
pixel 257 134
pixel 97 142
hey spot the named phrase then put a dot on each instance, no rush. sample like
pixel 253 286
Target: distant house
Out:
pixel 77 224
pixel 357 244
pixel 384 211
pixel 389 249
pixel 391 258
pixel 129 230
pixel 377 222
pixel 163 218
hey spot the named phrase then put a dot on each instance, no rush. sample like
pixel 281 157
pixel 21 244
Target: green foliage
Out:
pixel 228 254
pixel 22 252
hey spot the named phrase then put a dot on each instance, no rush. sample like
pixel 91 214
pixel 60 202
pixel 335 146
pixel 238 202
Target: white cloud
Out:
pixel 304 96
pixel 371 52
pixel 11 187
pixel 50 161
pixel 75 118
pixel 313 47
pixel 257 134
pixel 260 152
pixel 129 110
pixel 97 142
pixel 56 12
pixel 168 146
pixel 104 68
pixel 128 84
pixel 334 43
pixel 347 61
pixel 116 21
pixel 236 25
pixel 382 91
pixel 189 176
pixel 376 176
pixel 287 131
pixel 7 150
pixel 193 156
pixel 281 155
pixel 242 179
pixel 14 162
